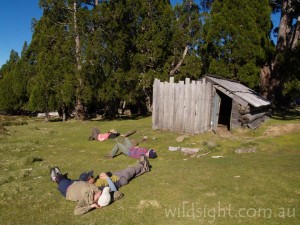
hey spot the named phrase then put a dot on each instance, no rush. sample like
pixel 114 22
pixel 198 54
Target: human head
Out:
pixel 152 153
pixel 113 131
pixel 105 197
pixel 87 177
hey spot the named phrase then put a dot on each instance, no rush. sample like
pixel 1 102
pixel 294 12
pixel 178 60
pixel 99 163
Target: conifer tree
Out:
pixel 51 52
pixel 238 39
pixel 8 99
pixel 186 41
pixel 151 46
pixel 127 47
pixel 22 74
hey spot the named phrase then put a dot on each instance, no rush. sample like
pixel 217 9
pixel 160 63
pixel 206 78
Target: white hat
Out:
pixel 113 131
pixel 104 198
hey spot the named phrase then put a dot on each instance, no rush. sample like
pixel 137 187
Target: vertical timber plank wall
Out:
pixel 207 99
pixel 171 104
pixel 201 110
pixel 161 105
pixel 209 104
pixel 198 116
pixel 234 117
pixel 180 110
pixel 182 107
pixel 155 105
pixel 165 105
pixel 186 107
pixel 193 110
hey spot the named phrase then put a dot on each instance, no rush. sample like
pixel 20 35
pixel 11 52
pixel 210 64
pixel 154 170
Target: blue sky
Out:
pixel 15 25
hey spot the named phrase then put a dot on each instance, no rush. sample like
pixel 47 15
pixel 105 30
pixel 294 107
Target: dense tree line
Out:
pixel 90 56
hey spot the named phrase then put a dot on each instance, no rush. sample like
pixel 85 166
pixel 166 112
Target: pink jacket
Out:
pixel 103 137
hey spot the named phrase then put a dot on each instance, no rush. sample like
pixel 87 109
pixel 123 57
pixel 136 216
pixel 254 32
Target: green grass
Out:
pixel 251 188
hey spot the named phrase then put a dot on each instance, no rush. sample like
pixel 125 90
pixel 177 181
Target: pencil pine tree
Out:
pixel 8 99
pixel 238 39
pixel 52 56
pixel 126 49
pixel 186 41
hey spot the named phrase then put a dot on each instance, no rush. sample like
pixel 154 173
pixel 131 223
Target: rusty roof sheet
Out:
pixel 241 91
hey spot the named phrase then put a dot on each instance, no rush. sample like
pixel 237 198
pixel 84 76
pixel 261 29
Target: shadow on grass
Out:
pixel 13 123
pixel 120 118
pixel 3 130
pixel 286 114
pixel 53 120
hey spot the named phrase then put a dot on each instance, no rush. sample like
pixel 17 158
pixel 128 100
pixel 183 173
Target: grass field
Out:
pixel 259 187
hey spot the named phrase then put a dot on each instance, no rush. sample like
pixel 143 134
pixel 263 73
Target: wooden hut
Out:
pixel 200 106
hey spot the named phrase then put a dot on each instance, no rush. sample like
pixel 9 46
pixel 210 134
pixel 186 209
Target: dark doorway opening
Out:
pixel 225 110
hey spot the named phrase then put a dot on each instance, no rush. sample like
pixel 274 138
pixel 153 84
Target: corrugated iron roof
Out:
pixel 241 91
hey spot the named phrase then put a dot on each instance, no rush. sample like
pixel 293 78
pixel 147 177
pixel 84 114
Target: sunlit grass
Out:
pixel 179 190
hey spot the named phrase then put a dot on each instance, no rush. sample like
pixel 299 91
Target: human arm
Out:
pixel 109 181
pixel 82 208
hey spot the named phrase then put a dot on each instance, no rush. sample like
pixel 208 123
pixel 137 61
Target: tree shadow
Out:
pixel 118 118
pixel 286 114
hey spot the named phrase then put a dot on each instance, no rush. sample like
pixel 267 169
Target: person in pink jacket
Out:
pixel 97 135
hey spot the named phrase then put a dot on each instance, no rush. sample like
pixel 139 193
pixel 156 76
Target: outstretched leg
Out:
pixel 61 180
pixel 63 185
pixel 95 133
pixel 119 147
pixel 131 172
pixel 127 143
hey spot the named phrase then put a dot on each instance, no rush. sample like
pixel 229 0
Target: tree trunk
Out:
pixel 79 109
pixel 46 116
pixel 172 72
pixel 275 87
pixel 296 35
pixel 64 112
pixel 265 75
pixel 283 44
pixel 283 28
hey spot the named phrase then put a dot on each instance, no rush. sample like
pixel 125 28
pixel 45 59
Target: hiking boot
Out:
pixel 53 175
pixel 146 163
pixel 117 195
pixel 142 159
pixel 57 170
pixel 91 138
pixel 129 133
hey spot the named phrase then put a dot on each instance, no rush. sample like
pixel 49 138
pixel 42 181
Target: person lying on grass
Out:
pixel 119 178
pixel 131 150
pixel 97 135
pixel 86 195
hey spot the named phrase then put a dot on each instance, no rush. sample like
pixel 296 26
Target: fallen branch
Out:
pixel 204 154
